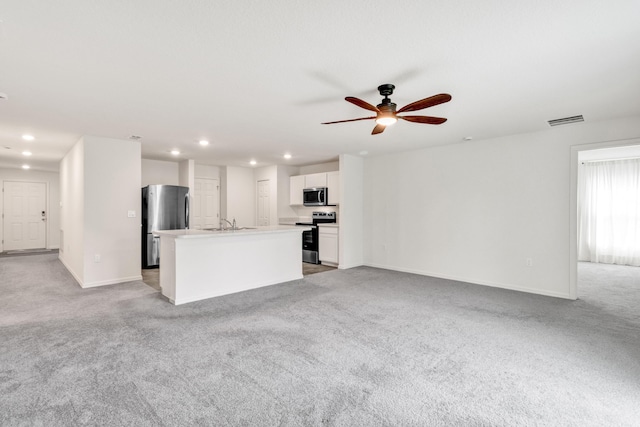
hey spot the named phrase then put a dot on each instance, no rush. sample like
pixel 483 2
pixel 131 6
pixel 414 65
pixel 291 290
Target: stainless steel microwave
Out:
pixel 315 196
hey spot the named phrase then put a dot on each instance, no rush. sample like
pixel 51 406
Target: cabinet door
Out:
pixel 328 245
pixel 296 185
pixel 333 187
pixel 315 180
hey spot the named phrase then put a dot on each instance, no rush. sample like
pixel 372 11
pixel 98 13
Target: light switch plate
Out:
pixel 131 214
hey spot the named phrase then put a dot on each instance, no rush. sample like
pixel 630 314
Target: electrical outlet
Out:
pixel 528 262
pixel 97 258
pixel 131 214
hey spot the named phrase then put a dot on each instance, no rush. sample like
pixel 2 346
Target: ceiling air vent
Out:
pixel 566 120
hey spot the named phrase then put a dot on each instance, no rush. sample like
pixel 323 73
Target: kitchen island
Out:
pixel 200 264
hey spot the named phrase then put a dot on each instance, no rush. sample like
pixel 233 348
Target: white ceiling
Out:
pixel 256 78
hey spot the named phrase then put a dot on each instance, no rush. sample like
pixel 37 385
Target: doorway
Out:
pixel 205 207
pixel 24 215
pixel 612 150
pixel 264 200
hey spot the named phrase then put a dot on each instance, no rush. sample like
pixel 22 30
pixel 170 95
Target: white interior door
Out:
pixel 24 215
pixel 264 190
pixel 206 206
pixel 210 203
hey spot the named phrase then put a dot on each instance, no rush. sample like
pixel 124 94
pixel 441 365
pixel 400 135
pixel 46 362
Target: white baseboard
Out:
pixel 73 273
pixel 84 285
pixel 213 294
pixel 475 282
pixel 111 281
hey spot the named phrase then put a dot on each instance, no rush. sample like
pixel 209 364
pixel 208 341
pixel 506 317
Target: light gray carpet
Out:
pixel 361 347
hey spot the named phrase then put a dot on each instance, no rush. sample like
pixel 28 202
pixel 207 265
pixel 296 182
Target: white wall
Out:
pixel 187 174
pixel 72 211
pixel 52 179
pixel 239 192
pixel 475 211
pixel 109 197
pixel 269 173
pixel 351 215
pixel 319 168
pixel 207 171
pixel 96 201
pixel 284 208
pixel 159 172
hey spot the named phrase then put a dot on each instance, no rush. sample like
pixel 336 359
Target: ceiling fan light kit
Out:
pixel 387 115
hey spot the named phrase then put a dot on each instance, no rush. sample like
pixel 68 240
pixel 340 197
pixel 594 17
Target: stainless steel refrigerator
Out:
pixel 164 207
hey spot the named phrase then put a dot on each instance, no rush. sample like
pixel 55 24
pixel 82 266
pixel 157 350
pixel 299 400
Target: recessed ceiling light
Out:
pixel 253 162
pixel 468 138
pixel 135 137
pixel 3 96
pixel 175 152
pixel 203 142
pixel 287 156
pixel 26 153
pixel 364 153
pixel 26 167
pixel 28 137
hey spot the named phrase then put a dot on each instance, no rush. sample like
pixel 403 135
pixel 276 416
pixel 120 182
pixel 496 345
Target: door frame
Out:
pixel 573 204
pixel 218 195
pixel 47 204
pixel 257 200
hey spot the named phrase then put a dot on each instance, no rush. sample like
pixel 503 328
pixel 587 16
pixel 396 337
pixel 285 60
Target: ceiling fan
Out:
pixel 387 115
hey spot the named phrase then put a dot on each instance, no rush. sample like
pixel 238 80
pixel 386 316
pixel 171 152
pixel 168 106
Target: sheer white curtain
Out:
pixel 609 212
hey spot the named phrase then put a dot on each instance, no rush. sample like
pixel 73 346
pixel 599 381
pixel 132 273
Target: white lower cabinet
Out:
pixel 328 244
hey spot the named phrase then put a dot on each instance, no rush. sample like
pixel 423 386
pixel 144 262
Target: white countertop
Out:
pixel 192 233
pixel 288 221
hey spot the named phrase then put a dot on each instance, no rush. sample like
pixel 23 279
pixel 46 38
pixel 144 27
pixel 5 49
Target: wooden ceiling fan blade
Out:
pixel 378 129
pixel 362 104
pixel 350 120
pixel 427 102
pixel 424 119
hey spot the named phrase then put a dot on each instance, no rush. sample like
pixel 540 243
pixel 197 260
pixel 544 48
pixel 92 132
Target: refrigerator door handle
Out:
pixel 186 210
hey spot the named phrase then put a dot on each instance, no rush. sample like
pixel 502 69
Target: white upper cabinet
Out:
pixel 331 180
pixel 315 180
pixel 296 185
pixel 333 187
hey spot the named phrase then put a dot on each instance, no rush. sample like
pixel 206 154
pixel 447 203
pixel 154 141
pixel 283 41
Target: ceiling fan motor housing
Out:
pixel 386 107
pixel 386 89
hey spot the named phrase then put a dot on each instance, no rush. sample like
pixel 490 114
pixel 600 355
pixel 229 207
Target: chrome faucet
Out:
pixel 232 224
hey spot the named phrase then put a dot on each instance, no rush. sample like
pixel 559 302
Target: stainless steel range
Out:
pixel 310 238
